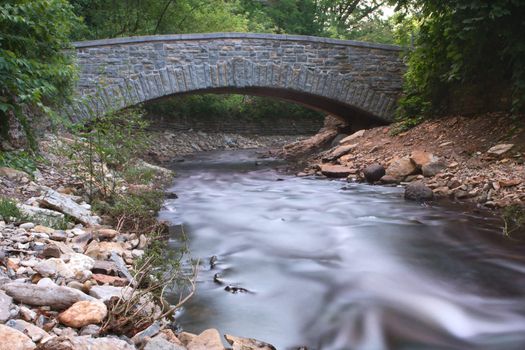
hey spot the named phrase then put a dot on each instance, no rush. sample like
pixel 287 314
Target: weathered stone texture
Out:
pixel 116 73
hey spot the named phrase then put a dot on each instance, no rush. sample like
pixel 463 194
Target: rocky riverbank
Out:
pixel 478 159
pixel 72 278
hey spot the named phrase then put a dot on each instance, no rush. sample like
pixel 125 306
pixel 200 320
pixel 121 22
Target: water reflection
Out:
pixel 352 268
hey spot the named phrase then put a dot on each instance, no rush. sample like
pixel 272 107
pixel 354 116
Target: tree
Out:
pixel 35 69
pixel 462 43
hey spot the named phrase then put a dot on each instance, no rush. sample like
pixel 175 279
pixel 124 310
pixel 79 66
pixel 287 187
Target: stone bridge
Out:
pixel 356 80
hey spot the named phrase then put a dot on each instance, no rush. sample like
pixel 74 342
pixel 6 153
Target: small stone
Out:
pixel 374 172
pixel 161 343
pixel 12 339
pixel 335 171
pixel 149 332
pixel 210 339
pixel 239 343
pixel 433 168
pixel 36 334
pixel 418 191
pixel 58 235
pixel 106 233
pixel 6 302
pixel 352 137
pixel 43 229
pixel 91 329
pixel 27 226
pixel 421 158
pixel 27 314
pixel 83 313
pixel 500 149
pixel 51 251
pixel 137 253
pixel 111 280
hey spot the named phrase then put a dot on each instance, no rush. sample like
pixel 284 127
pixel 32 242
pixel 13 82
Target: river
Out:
pixel 334 265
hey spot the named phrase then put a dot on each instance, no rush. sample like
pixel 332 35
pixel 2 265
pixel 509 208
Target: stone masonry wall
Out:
pixel 362 76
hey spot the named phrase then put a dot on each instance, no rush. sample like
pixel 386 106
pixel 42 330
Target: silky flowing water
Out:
pixel 335 265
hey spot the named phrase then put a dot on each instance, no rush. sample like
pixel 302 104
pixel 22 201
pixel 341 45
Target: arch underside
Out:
pixel 333 93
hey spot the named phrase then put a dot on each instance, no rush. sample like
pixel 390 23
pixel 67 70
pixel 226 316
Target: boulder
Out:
pixel 6 302
pixel 418 191
pixel 210 339
pixel 374 172
pixel 401 167
pixel 11 339
pixel 83 313
pixel 433 168
pixel 50 295
pixel 239 343
pixel 500 149
pixel 336 171
pixel 65 204
pixel 421 158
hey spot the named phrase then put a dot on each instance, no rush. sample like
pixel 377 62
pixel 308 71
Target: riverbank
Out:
pixel 478 159
pixel 77 273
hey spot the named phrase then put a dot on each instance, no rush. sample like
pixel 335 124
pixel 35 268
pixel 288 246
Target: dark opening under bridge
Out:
pixel 356 80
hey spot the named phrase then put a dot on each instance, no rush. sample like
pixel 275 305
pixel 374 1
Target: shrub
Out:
pixel 9 211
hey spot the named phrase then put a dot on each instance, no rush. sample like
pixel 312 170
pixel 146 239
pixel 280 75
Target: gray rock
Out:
pixel 160 343
pixel 104 293
pixel 418 191
pixel 239 343
pixel 65 204
pixel 36 334
pixel 53 296
pixel 91 329
pixel 433 168
pixel 374 172
pixel 5 306
pixel 149 332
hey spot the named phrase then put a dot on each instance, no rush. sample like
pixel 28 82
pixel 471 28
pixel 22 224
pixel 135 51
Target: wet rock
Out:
pixel 418 191
pixel 36 334
pixel 239 343
pixel 210 339
pixel 336 171
pixel 374 172
pixel 6 302
pixel 433 168
pixel 401 167
pixel 65 204
pixel 11 339
pixel 84 313
pixel 50 295
pixel 500 149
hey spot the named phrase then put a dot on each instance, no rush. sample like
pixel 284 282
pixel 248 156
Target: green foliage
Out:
pixel 461 43
pixel 35 69
pixel 9 211
pixel 105 146
pixel 109 19
pixel 237 107
pixel 20 160
pixel 139 175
